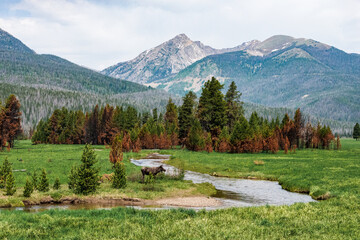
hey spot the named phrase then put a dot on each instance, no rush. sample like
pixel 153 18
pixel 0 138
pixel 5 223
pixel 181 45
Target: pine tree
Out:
pixel 208 143
pixel 73 177
pixel 5 170
pixel 57 184
pixel 212 107
pixel 356 132
pixel 116 154
pixel 195 140
pixel 34 180
pixel 12 121
pixel 10 184
pixel 43 185
pixel 87 175
pixel 234 105
pixel 155 114
pixel 28 189
pixel 186 114
pixel 119 178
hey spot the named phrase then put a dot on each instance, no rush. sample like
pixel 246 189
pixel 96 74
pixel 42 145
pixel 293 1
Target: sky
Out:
pixel 98 34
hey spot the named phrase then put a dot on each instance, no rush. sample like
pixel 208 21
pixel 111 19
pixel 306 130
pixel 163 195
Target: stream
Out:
pixel 231 192
pixel 234 192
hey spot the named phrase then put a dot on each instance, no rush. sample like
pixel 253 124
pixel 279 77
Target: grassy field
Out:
pixel 58 160
pixel 317 171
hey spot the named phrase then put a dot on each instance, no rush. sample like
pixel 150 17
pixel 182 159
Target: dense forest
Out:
pixel 215 122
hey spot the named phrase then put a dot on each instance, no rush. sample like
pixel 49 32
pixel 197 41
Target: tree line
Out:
pixel 215 122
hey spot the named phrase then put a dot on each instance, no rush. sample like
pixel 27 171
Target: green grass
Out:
pixel 314 171
pixel 58 160
pixel 336 218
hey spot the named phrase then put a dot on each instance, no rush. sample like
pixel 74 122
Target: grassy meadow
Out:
pixel 322 173
pixel 58 160
pixel 335 173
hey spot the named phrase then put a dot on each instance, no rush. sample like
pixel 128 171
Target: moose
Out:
pixel 151 170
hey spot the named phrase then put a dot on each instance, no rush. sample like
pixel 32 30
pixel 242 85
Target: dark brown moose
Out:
pixel 151 170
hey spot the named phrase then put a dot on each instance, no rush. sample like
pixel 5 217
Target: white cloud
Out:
pixel 98 34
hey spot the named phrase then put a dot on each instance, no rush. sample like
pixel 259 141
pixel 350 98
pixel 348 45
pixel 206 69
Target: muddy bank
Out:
pixel 87 200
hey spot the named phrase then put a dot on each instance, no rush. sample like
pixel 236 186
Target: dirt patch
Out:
pixel 189 202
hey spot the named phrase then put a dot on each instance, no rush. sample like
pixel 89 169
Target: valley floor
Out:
pixel 334 174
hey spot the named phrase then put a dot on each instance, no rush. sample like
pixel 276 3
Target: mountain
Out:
pixel 283 72
pixel 20 65
pixel 165 60
pixel 43 82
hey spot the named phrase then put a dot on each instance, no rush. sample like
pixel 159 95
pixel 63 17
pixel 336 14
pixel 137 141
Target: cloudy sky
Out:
pixel 100 33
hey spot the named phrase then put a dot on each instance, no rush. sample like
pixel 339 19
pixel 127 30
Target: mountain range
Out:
pixel 281 71
pixel 45 82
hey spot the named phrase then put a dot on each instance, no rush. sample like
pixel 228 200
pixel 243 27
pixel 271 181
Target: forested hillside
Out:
pixel 321 80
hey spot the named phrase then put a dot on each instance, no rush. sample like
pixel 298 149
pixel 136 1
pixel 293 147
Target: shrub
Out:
pixel 56 184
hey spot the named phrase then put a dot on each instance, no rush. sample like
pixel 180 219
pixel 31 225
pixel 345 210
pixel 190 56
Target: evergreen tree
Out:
pixel 356 132
pixel 195 140
pixel 12 121
pixel 87 175
pixel 119 178
pixel 155 114
pixel 5 170
pixel 241 131
pixel 10 184
pixel 43 185
pixel 73 177
pixel 57 184
pixel 28 189
pixel 234 105
pixel 116 154
pixel 212 107
pixel 186 114
pixel 34 180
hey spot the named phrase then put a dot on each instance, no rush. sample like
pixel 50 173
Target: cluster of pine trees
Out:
pixel 214 123
pixel 217 123
pixel 10 122
pixel 100 126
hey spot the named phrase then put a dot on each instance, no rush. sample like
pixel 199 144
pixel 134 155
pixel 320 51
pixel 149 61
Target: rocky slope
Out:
pixel 167 59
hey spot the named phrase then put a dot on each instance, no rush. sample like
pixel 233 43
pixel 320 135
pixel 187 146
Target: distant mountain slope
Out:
pixel 44 82
pixel 20 65
pixel 283 72
pixel 165 60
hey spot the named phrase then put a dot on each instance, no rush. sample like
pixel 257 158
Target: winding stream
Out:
pixel 231 192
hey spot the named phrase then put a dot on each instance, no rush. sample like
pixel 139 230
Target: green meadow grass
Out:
pixel 58 160
pixel 311 170
pixel 335 172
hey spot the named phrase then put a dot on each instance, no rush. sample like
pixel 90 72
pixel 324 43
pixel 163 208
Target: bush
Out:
pixel 56 184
